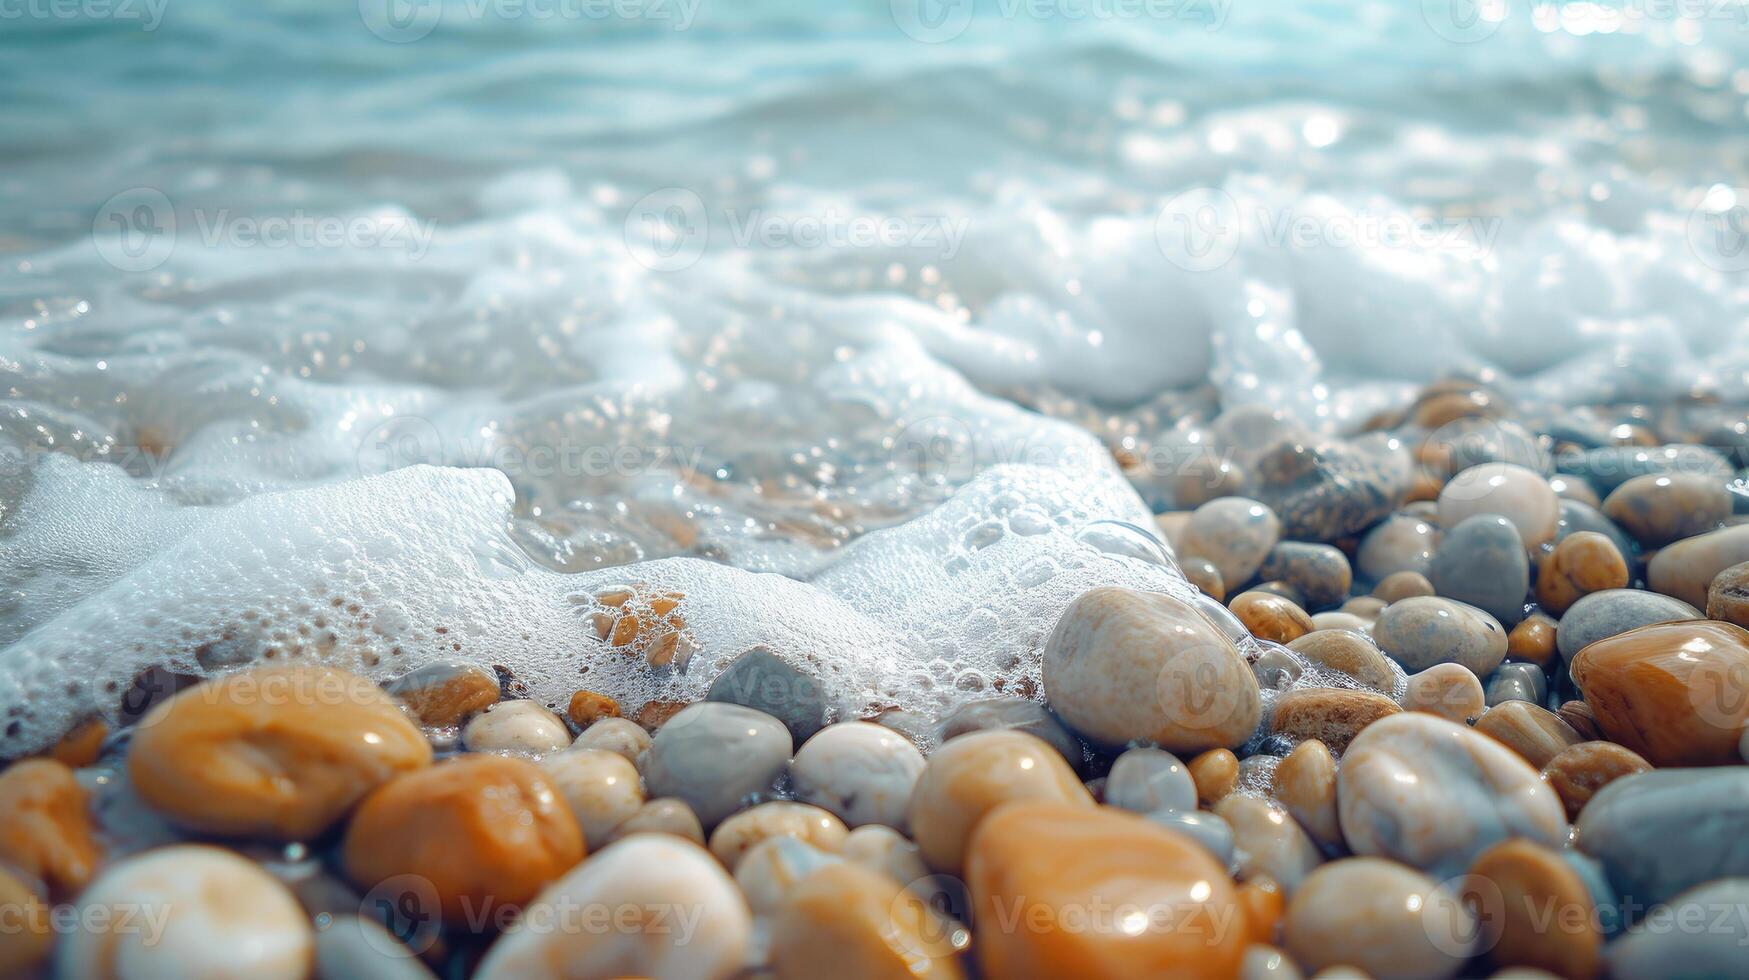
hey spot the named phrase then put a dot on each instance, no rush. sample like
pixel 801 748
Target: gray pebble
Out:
pixel 1703 932
pixel 1577 516
pixel 354 947
pixel 1604 614
pixel 1609 467
pixel 1661 832
pixel 763 680
pixel 1145 780
pixel 1333 490
pixel 1020 714
pixel 1214 834
pixel 717 758
pixel 1482 561
pixel 1319 572
pixel 1400 543
pixel 1517 682
pixel 1276 669
pixel 1427 630
pixel 1235 533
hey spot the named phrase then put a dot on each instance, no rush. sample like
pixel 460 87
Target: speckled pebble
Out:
pixel 1612 612
pixel 1579 771
pixel 861 772
pixel 717 757
pixel 1347 652
pixel 1481 561
pixel 1429 630
pixel 1379 917
pixel 1320 572
pixel 1326 491
pixel 1143 780
pixel 735 836
pixel 1332 715
pixel 1584 562
pixel 1236 533
pixel 1660 509
pixel 1727 598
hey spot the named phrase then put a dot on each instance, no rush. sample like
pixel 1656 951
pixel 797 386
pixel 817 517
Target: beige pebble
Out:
pixel 772 868
pixel 521 727
pixel 1380 917
pixel 1727 598
pixel 1349 653
pixel 881 848
pixel 1658 508
pixel 1405 584
pixel 1518 494
pixel 1332 715
pixel 779 818
pixel 970 776
pixel 1271 617
pixel 847 921
pixel 1305 783
pixel 1203 574
pixel 664 815
pixel 1215 773
pixel 1534 732
pixel 1687 568
pixel 1336 619
pixel 601 788
pixel 620 736
pixel 1268 843
pixel 1450 691
pixel 1235 533
pixel 1578 771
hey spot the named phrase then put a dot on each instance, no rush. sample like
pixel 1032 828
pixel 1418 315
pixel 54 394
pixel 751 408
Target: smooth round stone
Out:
pixel 1429 630
pixel 601 788
pixel 1305 784
pixel 1578 771
pixel 1381 918
pixel 1668 943
pixel 1581 718
pixel 1533 641
pixel 1332 715
pixel 1577 517
pixel 1268 842
pixel 1203 574
pixel 1365 606
pixel 1584 562
pixel 28 938
pixel 1271 617
pixel 1110 895
pixel 1212 833
pixel 1020 714
pixel 1450 691
pixel 1265 906
pixel 779 818
pixel 717 757
pixel 1326 491
pixel 45 826
pixel 847 921
pixel 216 915
pixel 1400 543
pixel 1676 693
pixel 1349 653
pixel 664 816
pixel 1282 590
pixel 1319 571
pixel 1608 467
pixel 1276 669
pixel 486 832
pixel 520 727
pixel 1127 666
pixel 1727 598
pixel 1532 731
pixel 881 848
pixel 1338 620
pixel 1687 568
pixel 1534 910
pixel 1433 794
pixel 1660 832
pixel 1145 780
pixel 1216 774
pixel 1267 963
pixel 362 949
pixel 1604 614
pixel 1574 488
pixel 275 752
pixel 1660 509
pixel 1403 585
pixel 765 680
pixel 621 736
pixel 1481 561
pixel 1516 682
pixel 1236 533
pixel 647 882
pixel 588 707
pixel 861 772
pixel 973 774
pixel 445 693
pixel 1520 495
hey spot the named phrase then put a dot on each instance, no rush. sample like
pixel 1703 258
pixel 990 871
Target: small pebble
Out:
pixel 1324 491
pixel 1335 619
pixel 1584 562
pixel 1203 574
pixel 1686 569
pixel 1216 775
pixel 718 758
pixel 1660 832
pixel 1668 942
pixel 1583 720
pixel 358 948
pixel 1482 562
pixel 1365 606
pixel 779 818
pixel 1350 653
pixel 1020 714
pixel 1276 669
pixel 1271 617
pixel 275 752
pixel 1578 771
pixel 620 736
pixel 764 680
pixel 601 788
pixel 1305 783
pixel 1532 641
pixel 647 882
pixel 217 915
pixel 1144 780
pixel 520 727
pixel 45 826
pixel 973 774
pixel 1434 794
pixel 80 747
pixel 1265 905
pixel 1534 910
pixel 1400 543
pixel 1450 691
pixel 1424 631
pixel 1318 571
pixel 1402 585
pixel 445 693
pixel 883 849
pixel 1577 517
pixel 1267 963
pixel 486 831
pixel 1604 614
pixel 1532 731
pixel 662 816
pixel 1379 917
pixel 1659 509
pixel 1127 666
pixel 1516 682
pixel 847 921
pixel 588 707
pixel 1676 693
pixel 771 869
pixel 1727 598
pixel 1520 495
pixel 1210 832
pixel 655 714
pixel 861 772
pixel 1332 715
pixel 1097 858
pixel 1236 533
pixel 1268 842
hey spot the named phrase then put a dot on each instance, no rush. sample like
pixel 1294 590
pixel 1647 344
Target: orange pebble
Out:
pixel 1532 641
pixel 1216 774
pixel 45 830
pixel 1271 617
pixel 588 707
pixel 1264 905
pixel 78 748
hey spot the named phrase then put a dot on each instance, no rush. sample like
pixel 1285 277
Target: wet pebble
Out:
pixel 1216 775
pixel 445 693
pixel 1520 495
pixel 1144 780
pixel 1379 917
pixel 1579 715
pixel 46 830
pixel 1203 574
pixel 519 727
pixel 588 707
pixel 1271 617
pixel 1332 715
pixel 1516 682
pixel 1127 666
pixel 970 776
pixel 861 772
pixel 1584 562
pixel 1660 832
pixel 1449 691
pixel 1305 784
pixel 662 816
pixel 1686 569
pixel 1533 641
pixel 621 736
pixel 1020 714
pixel 1338 620
pixel 1608 467
pixel 1403 585
pixel 1481 561
pixel 735 836
pixel 1727 598
pixel 1669 943
pixel 1425 631
pixel 1275 669
pixel 1400 543
pixel 1534 910
pixel 1578 771
pixel 1676 693
pixel 601 788
pixel 1660 509
pixel 717 757
pixel 1610 613
pixel 764 680
pixel 1532 731
pixel 1320 572
pixel 847 921
pixel 1236 533
pixel 1209 830
pixel 1434 794
pixel 1577 517
pixel 1268 843
pixel 1327 491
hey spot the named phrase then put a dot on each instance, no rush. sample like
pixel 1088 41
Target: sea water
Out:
pixel 400 331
